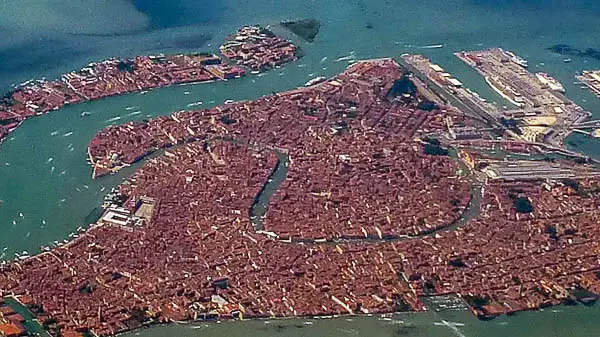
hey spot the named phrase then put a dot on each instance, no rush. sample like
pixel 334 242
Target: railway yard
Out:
pixel 389 196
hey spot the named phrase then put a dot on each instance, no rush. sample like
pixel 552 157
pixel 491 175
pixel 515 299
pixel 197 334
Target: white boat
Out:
pixel 491 83
pixel 517 59
pixel 433 46
pixel 195 103
pixel 314 81
pixel 550 81
pixel 344 58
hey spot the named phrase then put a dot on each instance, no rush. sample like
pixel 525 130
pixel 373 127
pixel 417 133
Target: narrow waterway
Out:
pixel 258 210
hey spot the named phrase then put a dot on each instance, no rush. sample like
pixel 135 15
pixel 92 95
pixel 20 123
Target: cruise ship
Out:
pixel 517 59
pixel 506 92
pixel 550 81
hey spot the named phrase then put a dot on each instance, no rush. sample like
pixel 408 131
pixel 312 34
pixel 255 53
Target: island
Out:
pixel 251 47
pixel 307 29
pixel 385 186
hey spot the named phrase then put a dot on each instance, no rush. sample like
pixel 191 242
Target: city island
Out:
pixel 385 184
pixel 254 48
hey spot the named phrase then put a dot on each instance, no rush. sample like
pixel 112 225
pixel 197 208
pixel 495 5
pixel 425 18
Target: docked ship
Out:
pixel 507 93
pixel 516 59
pixel 550 81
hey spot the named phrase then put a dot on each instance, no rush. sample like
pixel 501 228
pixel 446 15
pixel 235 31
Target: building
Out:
pixel 10 329
pixel 454 82
pixel 225 72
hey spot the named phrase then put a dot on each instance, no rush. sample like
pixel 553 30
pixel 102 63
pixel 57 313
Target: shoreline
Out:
pixel 141 74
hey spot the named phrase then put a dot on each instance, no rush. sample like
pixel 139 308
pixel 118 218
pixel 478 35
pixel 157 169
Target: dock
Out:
pixel 535 103
pixel 591 79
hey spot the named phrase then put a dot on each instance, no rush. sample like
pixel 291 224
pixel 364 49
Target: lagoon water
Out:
pixel 43 171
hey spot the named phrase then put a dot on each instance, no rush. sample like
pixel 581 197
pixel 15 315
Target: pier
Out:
pixel 507 74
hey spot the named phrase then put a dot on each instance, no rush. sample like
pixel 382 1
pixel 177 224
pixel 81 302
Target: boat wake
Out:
pixel 453 326
pixel 433 46
pixel 114 119
pixel 135 113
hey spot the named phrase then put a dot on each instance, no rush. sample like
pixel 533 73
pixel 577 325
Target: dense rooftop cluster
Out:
pixel 199 256
pixel 358 175
pixel 258 48
pixel 354 101
pixel 504 261
pixel 365 185
pixel 11 323
pixel 119 76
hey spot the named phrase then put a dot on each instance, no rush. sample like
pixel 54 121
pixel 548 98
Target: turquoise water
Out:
pixel 558 322
pixel 43 169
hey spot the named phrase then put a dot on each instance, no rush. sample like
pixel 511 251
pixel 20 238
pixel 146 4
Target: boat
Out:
pixel 137 112
pixel 550 81
pixel 433 46
pixel 85 113
pixel 195 103
pixel 567 60
pixel 314 81
pixel 344 58
pixel 517 59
